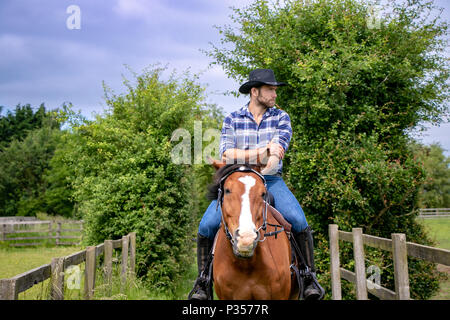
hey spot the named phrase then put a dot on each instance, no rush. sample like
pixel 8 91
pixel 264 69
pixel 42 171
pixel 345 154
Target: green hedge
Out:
pixel 124 179
pixel 355 90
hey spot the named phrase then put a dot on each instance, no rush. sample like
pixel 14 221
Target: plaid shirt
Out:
pixel 240 131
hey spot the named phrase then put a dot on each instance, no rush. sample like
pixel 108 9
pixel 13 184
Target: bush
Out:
pixel 124 179
pixel 354 93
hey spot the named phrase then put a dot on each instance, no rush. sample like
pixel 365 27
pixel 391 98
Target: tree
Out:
pixel 354 92
pixel 32 179
pixel 435 192
pixel 124 178
pixel 18 123
pixel 21 175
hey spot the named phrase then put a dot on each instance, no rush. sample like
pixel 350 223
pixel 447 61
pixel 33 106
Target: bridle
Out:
pixel 264 225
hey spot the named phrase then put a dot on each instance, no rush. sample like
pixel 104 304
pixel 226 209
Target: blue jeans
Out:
pixel 285 202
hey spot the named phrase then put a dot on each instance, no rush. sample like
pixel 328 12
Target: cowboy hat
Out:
pixel 259 77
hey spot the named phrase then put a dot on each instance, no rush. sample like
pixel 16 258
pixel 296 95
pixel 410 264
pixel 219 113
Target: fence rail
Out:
pixel 10 288
pixel 434 213
pixel 12 231
pixel 16 219
pixel 400 249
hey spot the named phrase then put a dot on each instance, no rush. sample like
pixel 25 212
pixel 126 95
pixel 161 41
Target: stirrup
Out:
pixel 314 286
pixel 199 292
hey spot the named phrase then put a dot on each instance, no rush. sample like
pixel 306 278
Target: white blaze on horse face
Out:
pixel 246 224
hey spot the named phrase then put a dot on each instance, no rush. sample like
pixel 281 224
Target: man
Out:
pixel 247 136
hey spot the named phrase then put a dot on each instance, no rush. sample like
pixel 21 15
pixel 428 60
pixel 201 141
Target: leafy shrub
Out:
pixel 354 93
pixel 124 179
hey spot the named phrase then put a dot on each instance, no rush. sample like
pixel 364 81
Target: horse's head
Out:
pixel 241 191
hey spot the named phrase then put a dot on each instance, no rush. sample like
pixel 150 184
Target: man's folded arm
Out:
pixel 254 156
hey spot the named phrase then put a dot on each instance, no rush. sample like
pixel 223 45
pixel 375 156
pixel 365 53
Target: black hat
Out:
pixel 259 77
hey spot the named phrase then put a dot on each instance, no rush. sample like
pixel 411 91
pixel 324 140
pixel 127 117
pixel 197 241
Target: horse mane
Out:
pixel 213 188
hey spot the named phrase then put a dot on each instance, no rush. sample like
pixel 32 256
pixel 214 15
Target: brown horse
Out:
pixel 249 262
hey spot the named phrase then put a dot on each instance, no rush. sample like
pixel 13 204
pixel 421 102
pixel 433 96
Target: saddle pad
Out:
pixel 280 219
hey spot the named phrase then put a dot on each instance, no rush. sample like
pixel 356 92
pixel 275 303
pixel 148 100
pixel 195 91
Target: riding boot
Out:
pixel 204 245
pixel 313 290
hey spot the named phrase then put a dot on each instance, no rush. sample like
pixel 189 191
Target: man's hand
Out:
pixel 272 166
pixel 276 150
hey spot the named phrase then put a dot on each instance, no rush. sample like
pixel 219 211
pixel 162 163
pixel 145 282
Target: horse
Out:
pixel 250 262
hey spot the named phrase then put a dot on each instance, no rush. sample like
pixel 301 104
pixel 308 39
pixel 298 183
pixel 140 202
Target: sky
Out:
pixel 46 56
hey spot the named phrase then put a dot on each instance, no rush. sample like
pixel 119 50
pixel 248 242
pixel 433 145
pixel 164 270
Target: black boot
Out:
pixel 199 292
pixel 313 290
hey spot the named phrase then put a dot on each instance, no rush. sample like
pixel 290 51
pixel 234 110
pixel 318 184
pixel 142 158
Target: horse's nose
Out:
pixel 245 238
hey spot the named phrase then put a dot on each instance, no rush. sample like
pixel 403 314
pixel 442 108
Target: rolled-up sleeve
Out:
pixel 283 133
pixel 227 137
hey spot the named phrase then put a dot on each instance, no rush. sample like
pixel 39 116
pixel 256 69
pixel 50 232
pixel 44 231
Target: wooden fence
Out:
pixel 12 231
pixel 16 219
pixel 434 213
pixel 10 288
pixel 400 249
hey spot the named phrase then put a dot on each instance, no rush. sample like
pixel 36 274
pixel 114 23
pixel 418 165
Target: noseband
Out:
pixel 266 200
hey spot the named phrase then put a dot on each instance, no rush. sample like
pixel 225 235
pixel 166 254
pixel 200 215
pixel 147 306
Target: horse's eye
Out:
pixel 263 194
pixel 227 191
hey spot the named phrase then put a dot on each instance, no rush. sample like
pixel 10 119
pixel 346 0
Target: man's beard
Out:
pixel 265 103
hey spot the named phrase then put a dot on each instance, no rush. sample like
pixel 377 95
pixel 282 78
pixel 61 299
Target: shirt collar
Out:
pixel 246 112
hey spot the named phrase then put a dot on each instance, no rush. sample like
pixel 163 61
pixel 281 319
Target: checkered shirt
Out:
pixel 240 131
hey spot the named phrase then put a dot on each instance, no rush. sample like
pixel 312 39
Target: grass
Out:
pixel 16 260
pixel 439 230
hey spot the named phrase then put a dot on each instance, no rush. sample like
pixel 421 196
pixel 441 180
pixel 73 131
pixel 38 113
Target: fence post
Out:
pixel 58 232
pixel 57 279
pixel 108 263
pixel 8 289
pixel 89 272
pixel 50 231
pixel 124 259
pixel 82 231
pixel 132 253
pixel 400 256
pixel 360 268
pixel 335 271
pixel 3 231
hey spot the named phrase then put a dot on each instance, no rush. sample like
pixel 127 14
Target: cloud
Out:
pixel 133 8
pixel 177 12
pixel 13 49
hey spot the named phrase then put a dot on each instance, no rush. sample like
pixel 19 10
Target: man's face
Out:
pixel 266 95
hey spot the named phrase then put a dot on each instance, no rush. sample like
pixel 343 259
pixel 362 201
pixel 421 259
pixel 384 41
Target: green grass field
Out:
pixel 439 230
pixel 16 260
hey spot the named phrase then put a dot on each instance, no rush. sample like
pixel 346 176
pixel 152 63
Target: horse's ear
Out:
pixel 217 164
